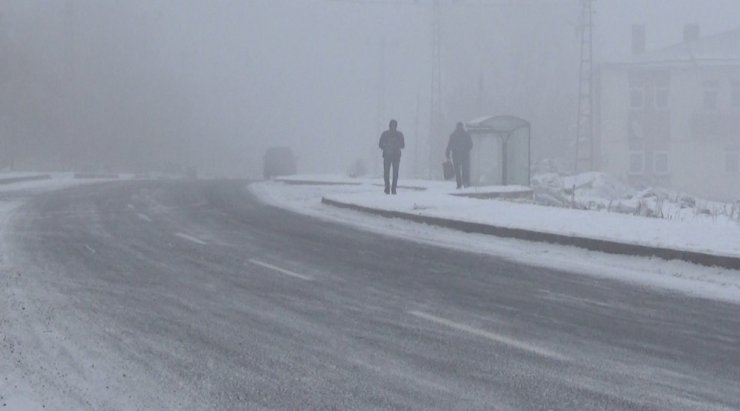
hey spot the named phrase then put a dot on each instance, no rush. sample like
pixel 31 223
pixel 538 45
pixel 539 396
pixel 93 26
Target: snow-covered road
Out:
pixel 194 295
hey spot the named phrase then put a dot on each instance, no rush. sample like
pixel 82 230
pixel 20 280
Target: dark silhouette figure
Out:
pixel 460 145
pixel 391 142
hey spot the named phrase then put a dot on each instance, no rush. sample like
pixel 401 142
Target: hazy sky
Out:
pixel 213 83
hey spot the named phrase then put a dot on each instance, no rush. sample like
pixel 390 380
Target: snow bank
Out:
pixel 599 191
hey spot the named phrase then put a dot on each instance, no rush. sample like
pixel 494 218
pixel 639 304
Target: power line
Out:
pixel 436 121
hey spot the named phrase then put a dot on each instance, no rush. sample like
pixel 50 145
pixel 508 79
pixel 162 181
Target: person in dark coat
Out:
pixel 459 146
pixel 391 142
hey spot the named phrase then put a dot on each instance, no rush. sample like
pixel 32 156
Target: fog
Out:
pixel 142 85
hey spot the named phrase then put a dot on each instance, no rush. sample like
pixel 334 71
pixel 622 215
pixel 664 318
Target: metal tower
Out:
pixel 584 160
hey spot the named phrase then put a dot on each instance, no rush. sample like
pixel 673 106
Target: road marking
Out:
pixel 144 217
pixel 489 335
pixel 191 238
pixel 281 270
pixel 90 249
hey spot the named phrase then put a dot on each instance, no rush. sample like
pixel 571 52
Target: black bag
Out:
pixel 448 170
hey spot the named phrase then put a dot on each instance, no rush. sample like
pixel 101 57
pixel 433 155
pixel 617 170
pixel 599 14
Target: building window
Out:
pixel 637 163
pixel 636 131
pixel 711 95
pixel 732 161
pixel 736 94
pixel 637 98
pixel 661 98
pixel 661 163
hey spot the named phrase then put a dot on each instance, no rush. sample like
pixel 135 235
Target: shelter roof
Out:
pixel 495 124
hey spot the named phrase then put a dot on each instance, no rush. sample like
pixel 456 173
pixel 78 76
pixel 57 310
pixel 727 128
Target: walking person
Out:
pixel 391 142
pixel 459 146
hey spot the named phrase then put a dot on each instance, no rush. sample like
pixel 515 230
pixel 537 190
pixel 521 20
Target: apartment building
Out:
pixel 671 117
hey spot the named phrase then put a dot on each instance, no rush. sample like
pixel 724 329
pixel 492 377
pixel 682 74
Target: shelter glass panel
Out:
pixel 486 160
pixel 517 157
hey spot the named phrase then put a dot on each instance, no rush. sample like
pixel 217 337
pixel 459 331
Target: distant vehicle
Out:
pixel 279 161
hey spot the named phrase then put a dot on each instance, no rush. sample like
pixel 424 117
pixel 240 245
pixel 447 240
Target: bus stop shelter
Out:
pixel 501 150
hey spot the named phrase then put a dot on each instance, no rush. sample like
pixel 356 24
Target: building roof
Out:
pixel 719 49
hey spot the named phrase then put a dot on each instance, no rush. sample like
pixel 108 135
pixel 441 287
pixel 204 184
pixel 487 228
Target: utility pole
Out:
pixel 417 173
pixel 481 100
pixel 435 113
pixel 584 160
pixel 381 120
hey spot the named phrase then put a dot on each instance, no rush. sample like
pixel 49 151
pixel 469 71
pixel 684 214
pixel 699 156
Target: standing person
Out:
pixel 460 145
pixel 391 142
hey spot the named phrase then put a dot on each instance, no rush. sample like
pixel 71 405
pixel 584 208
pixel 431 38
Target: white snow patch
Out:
pixel 17 396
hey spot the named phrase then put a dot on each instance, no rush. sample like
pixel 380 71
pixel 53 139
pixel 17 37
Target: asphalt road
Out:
pixel 193 295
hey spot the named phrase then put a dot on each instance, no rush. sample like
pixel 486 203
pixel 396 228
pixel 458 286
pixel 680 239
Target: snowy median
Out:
pixel 696 242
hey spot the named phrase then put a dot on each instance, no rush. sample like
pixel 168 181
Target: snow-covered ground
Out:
pixel 706 282
pixel 14 393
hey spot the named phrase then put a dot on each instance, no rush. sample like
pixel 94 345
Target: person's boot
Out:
pixel 387 190
pixel 393 191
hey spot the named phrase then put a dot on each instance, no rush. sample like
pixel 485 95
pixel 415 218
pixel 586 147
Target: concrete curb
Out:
pixel 606 246
pixel 12 180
